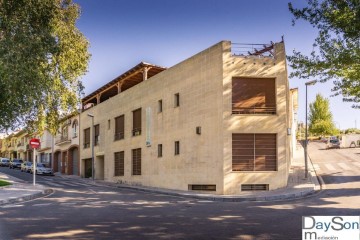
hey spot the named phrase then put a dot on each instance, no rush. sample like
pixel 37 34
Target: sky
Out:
pixel 123 33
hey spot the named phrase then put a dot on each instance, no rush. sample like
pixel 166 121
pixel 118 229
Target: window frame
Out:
pixel 177 148
pixel 87 143
pixel 119 164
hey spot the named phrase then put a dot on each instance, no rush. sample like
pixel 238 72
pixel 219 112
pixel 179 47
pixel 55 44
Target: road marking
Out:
pixel 316 166
pixel 330 167
pixel 344 166
pixel 54 184
pixel 42 204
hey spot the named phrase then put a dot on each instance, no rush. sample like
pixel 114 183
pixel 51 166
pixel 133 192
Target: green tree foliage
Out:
pixel 321 118
pixel 336 54
pixel 352 130
pixel 42 56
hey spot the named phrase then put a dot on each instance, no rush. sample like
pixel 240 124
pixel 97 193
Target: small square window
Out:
pixel 177 147
pixel 177 100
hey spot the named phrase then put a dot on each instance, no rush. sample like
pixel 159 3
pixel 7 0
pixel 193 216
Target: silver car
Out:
pixel 4 162
pixel 42 169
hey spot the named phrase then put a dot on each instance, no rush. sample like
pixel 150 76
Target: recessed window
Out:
pixel 136 161
pixel 160 106
pixel 75 128
pixel 109 124
pixel 97 134
pixel 136 122
pixel 177 100
pixel 87 138
pixel 160 150
pixel 254 152
pixel 177 147
pixel 253 96
pixel 119 164
pixel 119 128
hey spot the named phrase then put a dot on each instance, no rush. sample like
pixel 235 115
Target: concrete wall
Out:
pixel 197 80
pixel 257 67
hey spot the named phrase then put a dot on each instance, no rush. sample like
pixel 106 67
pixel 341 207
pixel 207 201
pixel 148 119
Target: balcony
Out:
pixel 60 140
pixel 269 110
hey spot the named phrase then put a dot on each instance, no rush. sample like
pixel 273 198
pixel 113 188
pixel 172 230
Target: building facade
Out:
pixel 217 122
pixel 66 148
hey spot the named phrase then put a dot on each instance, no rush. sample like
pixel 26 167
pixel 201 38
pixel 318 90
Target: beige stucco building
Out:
pixel 217 122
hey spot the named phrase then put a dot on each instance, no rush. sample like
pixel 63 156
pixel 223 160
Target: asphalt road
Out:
pixel 81 210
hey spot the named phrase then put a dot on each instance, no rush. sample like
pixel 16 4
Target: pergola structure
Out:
pixel 130 78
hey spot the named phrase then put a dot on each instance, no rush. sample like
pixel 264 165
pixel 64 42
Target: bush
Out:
pixel 4 183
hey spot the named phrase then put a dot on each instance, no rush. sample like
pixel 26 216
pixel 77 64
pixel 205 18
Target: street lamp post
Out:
pixel 306 126
pixel 92 147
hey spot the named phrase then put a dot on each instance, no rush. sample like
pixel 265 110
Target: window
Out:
pixel 177 100
pixel 253 96
pixel 109 124
pixel 119 164
pixel 159 150
pixel 160 106
pixel 87 138
pixel 119 128
pixel 136 122
pixel 136 161
pixel 74 128
pixel 64 133
pixel 254 152
pixel 97 134
pixel 177 147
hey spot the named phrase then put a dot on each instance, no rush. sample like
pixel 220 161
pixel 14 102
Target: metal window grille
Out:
pixel 119 168
pixel 136 161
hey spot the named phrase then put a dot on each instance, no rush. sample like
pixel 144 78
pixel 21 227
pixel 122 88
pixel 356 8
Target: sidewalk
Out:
pixel 20 191
pixel 297 187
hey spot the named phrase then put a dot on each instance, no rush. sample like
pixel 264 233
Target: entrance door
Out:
pixel 88 168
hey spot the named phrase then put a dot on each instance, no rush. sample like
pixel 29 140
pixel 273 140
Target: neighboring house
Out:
pixel 44 153
pixel 21 144
pixel 215 122
pixel 66 150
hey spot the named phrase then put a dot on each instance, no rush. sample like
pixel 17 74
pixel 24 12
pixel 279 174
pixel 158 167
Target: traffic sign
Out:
pixel 35 143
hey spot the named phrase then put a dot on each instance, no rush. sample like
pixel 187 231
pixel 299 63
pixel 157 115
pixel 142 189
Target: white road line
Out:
pixel 42 204
pixel 330 167
pixel 344 166
pixel 316 166
pixel 54 184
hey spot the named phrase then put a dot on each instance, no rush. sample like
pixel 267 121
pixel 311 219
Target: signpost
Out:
pixel 35 144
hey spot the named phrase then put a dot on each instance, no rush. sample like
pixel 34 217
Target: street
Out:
pixel 79 209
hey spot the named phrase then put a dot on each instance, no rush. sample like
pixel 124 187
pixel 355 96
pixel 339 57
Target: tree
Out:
pixel 336 54
pixel 42 56
pixel 320 117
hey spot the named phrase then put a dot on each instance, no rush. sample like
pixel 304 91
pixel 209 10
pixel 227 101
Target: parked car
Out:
pixel 4 162
pixel 15 163
pixel 42 169
pixel 26 166
pixel 333 143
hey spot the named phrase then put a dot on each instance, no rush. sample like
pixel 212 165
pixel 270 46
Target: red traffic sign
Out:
pixel 35 143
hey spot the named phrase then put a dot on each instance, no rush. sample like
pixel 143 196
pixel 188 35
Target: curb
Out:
pixel 219 198
pixel 27 198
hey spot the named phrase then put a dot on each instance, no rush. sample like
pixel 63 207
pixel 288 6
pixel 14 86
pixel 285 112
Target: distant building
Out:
pixel 218 121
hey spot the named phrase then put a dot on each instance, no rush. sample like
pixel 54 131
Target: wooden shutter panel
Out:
pixel 265 152
pixel 254 95
pixel 119 127
pixel 137 119
pixel 243 152
pixel 119 164
pixel 136 161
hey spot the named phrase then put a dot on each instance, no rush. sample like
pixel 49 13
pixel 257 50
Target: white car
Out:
pixel 42 169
